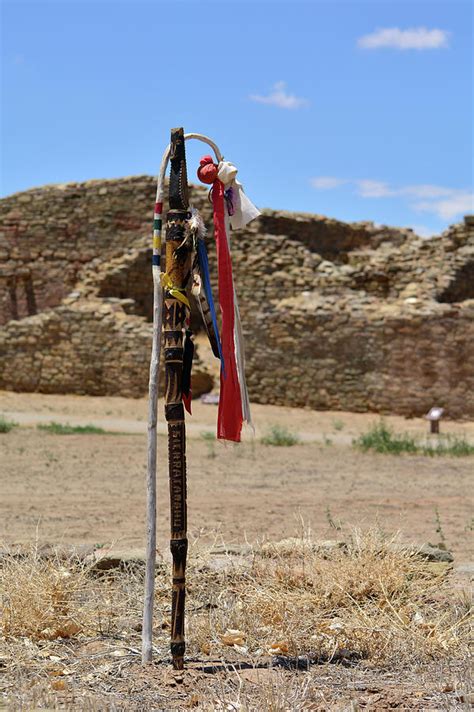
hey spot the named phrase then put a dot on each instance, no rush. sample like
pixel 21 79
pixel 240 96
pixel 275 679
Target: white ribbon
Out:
pixel 244 209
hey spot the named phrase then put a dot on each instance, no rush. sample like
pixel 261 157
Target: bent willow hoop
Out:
pixel 185 234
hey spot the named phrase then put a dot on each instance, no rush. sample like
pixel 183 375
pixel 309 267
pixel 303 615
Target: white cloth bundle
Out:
pixel 244 209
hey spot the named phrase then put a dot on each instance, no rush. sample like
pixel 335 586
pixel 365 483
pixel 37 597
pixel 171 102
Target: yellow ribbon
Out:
pixel 175 292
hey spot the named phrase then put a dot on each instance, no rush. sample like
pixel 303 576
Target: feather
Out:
pixel 207 311
pixel 196 224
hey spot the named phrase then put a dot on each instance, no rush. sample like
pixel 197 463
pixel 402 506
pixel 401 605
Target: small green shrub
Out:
pixel 210 440
pixel 66 429
pixel 331 521
pixel 279 436
pixel 449 445
pixel 338 424
pixel 6 425
pixel 381 438
pixel 439 528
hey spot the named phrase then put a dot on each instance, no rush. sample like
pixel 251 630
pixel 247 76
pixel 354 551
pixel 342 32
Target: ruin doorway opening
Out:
pixel 131 282
pixel 461 286
pixel 20 297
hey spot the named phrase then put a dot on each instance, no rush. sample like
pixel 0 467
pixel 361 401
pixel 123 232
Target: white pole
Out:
pixel 147 629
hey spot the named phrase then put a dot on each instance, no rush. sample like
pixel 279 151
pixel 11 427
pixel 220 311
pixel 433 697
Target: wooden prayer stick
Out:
pixel 175 314
pixel 178 262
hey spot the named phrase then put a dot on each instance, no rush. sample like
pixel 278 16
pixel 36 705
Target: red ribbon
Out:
pixel 229 419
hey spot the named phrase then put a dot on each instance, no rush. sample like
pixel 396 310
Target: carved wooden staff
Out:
pixel 183 230
pixel 177 201
pixel 175 314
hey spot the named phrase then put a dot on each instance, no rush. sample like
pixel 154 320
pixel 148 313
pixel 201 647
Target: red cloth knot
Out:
pixel 207 171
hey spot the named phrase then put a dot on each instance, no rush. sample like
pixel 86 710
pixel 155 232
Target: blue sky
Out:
pixel 357 110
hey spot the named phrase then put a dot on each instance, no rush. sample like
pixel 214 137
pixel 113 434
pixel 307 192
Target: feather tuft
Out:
pixel 196 223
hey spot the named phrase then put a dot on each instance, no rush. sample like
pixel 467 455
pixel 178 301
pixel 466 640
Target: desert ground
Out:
pixel 90 489
pixel 86 493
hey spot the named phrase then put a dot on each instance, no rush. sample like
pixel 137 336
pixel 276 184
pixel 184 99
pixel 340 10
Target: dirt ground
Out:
pixel 90 489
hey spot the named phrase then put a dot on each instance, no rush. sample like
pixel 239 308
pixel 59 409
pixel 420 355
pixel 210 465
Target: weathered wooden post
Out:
pixel 434 416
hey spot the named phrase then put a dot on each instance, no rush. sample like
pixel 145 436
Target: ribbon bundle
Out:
pixel 231 208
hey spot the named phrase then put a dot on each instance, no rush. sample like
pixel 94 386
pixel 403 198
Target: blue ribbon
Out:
pixel 206 280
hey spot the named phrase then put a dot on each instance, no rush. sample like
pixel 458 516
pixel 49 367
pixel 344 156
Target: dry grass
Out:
pixel 41 598
pixel 367 602
pixel 369 599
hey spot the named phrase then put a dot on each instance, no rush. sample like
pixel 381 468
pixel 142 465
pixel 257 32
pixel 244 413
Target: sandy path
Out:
pixel 91 488
pixel 128 415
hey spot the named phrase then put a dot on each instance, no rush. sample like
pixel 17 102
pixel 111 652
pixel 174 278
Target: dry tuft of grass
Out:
pixel 369 598
pixel 40 599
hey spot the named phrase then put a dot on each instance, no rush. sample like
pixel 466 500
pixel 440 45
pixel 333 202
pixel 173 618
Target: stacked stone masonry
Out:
pixel 336 315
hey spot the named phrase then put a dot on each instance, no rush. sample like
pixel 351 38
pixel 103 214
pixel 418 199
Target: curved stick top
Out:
pixel 166 157
pixel 205 139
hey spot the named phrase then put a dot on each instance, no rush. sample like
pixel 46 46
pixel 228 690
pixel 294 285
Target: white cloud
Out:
pixel 327 182
pixel 446 203
pixel 280 97
pixel 426 191
pixel 459 203
pixel 373 189
pixel 414 38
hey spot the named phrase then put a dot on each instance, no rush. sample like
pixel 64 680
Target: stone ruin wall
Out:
pixel 336 315
pixel 81 250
